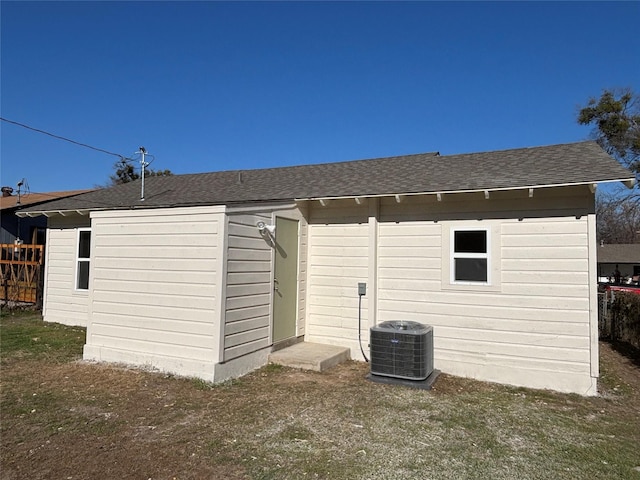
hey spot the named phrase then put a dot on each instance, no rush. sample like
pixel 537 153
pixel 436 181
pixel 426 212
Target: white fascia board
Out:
pixel 261 207
pixel 629 182
pixel 53 213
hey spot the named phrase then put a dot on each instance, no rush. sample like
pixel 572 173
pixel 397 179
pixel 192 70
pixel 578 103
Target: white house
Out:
pixel 496 250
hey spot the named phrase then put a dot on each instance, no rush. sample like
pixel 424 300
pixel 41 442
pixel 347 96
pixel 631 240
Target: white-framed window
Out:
pixel 470 256
pixel 83 256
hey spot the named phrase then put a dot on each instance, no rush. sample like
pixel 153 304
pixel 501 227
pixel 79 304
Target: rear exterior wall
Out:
pixel 534 323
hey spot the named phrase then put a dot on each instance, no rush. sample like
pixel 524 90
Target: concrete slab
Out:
pixel 310 356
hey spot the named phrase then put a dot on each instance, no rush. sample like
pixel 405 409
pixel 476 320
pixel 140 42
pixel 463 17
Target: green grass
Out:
pixel 201 384
pixel 25 335
pixel 611 380
pixel 62 418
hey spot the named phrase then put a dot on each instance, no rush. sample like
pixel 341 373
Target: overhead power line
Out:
pixel 62 138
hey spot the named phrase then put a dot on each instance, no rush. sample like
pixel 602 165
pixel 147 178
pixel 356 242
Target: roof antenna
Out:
pixel 143 165
pixel 20 183
pixel 18 239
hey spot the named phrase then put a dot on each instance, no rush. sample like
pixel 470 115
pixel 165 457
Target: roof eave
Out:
pixel 53 213
pixel 628 182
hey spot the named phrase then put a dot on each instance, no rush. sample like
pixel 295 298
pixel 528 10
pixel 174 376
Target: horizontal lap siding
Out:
pixel 338 260
pixel 530 327
pixel 409 271
pixel 248 286
pixel 302 277
pixel 155 284
pixel 62 302
pixel 547 261
pixel 538 318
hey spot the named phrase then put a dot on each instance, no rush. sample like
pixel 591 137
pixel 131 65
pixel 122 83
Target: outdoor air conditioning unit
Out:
pixel 402 350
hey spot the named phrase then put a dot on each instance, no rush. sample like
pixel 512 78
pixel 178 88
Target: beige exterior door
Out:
pixel 285 281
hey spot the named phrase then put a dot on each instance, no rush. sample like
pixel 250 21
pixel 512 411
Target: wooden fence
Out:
pixel 22 275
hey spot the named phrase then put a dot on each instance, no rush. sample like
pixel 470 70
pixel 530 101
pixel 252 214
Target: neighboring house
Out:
pixel 29 230
pixel 624 257
pixel 497 251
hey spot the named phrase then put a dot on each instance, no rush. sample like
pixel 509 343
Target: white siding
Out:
pixel 155 288
pixel 537 323
pixel 303 273
pixel 248 302
pixel 531 327
pixel 249 282
pixel 338 260
pixel 62 302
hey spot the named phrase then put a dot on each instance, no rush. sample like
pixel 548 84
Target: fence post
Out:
pixel 39 287
pixel 5 288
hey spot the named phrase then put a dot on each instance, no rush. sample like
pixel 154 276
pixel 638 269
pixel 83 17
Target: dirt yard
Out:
pixel 66 419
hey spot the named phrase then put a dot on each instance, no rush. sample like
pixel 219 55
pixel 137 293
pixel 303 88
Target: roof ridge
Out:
pixel 306 165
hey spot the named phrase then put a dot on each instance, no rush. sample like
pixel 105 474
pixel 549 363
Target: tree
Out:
pixel 617 219
pixel 616 119
pixel 126 172
pixel 616 116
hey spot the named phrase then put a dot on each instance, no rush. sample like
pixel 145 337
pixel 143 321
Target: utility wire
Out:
pixel 62 138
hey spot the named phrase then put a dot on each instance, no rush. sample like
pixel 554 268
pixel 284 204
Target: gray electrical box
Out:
pixel 362 288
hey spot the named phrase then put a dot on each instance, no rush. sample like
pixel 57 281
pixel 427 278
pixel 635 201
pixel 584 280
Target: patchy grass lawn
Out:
pixel 67 419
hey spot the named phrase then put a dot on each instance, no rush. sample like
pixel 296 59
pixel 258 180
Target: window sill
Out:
pixel 471 287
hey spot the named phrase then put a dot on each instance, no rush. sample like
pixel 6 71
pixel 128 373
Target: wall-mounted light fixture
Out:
pixel 264 228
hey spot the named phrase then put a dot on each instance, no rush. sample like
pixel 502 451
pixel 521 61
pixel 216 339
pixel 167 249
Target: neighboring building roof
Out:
pixel 567 164
pixel 619 253
pixel 26 199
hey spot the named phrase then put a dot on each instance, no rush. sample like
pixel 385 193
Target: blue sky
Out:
pixel 207 86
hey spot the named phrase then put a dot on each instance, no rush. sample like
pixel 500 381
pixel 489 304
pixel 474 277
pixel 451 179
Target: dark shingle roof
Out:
pixel 619 253
pixel 11 202
pixel 583 162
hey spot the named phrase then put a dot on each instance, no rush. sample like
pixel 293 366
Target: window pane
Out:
pixel 83 275
pixel 473 241
pixel 471 269
pixel 84 246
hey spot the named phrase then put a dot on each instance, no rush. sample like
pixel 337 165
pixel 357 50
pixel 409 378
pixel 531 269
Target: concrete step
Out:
pixel 310 356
